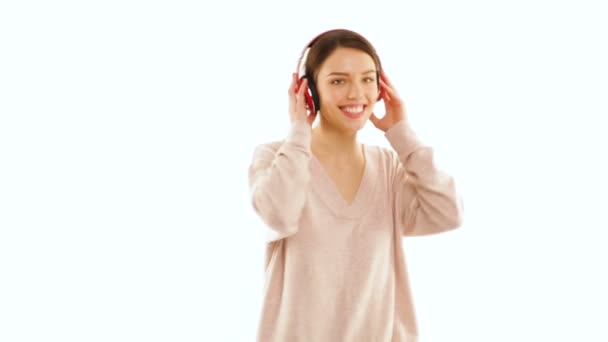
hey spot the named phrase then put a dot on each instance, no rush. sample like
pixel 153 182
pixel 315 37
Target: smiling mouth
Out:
pixel 353 112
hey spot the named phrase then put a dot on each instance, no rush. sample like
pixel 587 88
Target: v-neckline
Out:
pixel 328 190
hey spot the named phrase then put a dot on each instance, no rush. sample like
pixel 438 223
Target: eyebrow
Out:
pixel 346 74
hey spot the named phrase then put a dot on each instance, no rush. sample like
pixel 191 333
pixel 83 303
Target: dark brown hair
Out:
pixel 328 42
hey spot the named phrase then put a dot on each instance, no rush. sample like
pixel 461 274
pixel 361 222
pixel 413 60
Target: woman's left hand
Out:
pixel 394 106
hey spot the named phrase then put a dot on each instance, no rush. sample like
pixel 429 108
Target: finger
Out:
pixel 384 94
pixel 302 89
pixel 386 97
pixel 292 93
pixel 311 118
pixel 300 100
pixel 293 84
pixel 388 89
pixel 303 85
pixel 384 78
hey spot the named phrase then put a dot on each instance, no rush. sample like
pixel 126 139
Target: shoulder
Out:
pixel 273 145
pixel 265 151
pixel 384 162
pixel 385 156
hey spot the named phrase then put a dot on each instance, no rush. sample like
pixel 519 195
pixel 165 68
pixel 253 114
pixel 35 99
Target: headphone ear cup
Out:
pixel 310 103
pixel 380 89
pixel 308 97
pixel 314 95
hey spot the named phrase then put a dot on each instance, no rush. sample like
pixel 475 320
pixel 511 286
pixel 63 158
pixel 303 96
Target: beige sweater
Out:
pixel 336 272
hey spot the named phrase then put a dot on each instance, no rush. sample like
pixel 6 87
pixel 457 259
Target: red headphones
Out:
pixel 311 94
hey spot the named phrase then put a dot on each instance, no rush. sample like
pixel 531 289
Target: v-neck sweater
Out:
pixel 331 196
pixel 336 271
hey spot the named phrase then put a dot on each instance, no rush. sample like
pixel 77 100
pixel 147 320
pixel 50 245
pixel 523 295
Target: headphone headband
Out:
pixel 307 48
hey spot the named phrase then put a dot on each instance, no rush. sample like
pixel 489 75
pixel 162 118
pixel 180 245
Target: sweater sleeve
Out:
pixel 426 199
pixel 279 176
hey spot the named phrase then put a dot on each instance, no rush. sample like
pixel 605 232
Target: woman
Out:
pixel 336 209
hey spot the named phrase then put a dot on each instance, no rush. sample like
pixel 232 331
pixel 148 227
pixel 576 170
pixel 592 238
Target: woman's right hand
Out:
pixel 297 101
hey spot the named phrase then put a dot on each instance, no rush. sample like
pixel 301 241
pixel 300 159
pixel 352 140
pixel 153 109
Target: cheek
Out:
pixel 373 90
pixel 330 95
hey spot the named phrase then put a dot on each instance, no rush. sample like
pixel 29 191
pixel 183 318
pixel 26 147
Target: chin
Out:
pixel 351 122
pixel 356 124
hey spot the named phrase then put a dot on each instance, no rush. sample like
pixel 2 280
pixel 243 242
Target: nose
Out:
pixel 355 91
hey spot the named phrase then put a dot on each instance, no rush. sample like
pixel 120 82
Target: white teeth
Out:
pixel 356 109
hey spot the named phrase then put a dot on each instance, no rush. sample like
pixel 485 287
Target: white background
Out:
pixel 126 130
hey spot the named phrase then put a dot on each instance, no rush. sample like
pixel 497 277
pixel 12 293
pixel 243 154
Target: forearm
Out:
pixel 279 179
pixel 427 198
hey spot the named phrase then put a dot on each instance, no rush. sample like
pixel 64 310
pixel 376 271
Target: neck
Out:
pixel 334 145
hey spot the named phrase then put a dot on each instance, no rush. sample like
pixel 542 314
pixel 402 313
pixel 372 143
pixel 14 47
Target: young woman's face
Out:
pixel 348 89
